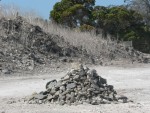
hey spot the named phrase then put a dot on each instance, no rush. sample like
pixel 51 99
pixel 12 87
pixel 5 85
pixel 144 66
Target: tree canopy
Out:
pixel 126 22
pixel 72 13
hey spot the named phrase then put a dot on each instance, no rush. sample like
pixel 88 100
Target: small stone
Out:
pixel 61 97
pixel 72 72
pixel 72 99
pixel 51 84
pixel 6 71
pixel 40 102
pixel 102 80
pixel 123 98
pixel 95 86
pixel 61 102
pixel 86 69
pixel 81 72
pixel 104 101
pixel 40 96
pixel 50 97
pixel 53 91
pixel 91 73
pixel 62 88
pixel 68 102
pixel 65 78
pixel 94 102
pixel 71 85
pixel 76 77
pixel 65 92
pixel 58 84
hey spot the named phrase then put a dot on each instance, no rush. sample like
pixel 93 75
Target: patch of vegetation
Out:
pixel 120 22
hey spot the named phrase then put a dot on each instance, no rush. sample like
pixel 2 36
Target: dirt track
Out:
pixel 131 82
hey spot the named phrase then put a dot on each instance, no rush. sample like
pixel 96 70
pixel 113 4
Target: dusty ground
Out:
pixel 133 82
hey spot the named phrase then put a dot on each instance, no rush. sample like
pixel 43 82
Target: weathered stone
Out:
pixel 110 87
pixel 40 101
pixel 65 92
pixel 72 99
pixel 102 80
pixel 50 97
pixel 123 98
pixel 62 102
pixel 62 97
pixel 81 72
pixel 71 85
pixel 6 71
pixel 51 84
pixel 68 96
pixel 72 72
pixel 86 69
pixel 58 84
pixel 94 102
pixel 65 78
pixel 76 77
pixel 56 95
pixel 40 96
pixel 91 73
pixel 62 88
pixel 95 86
pixel 53 91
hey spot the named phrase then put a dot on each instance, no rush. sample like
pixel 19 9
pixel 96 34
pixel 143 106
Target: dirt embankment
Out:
pixel 27 47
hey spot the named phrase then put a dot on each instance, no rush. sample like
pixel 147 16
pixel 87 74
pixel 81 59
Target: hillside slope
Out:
pixel 24 46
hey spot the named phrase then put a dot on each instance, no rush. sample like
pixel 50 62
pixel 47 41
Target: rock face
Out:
pixel 79 86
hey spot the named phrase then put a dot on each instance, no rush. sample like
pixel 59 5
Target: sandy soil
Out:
pixel 133 82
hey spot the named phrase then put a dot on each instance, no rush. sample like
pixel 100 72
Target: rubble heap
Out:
pixel 79 86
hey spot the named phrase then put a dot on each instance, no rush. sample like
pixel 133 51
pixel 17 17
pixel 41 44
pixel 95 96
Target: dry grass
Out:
pixel 95 45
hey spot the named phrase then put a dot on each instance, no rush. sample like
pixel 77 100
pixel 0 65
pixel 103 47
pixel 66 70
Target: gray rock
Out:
pixel 61 102
pixel 40 96
pixel 68 96
pixel 59 84
pixel 50 97
pixel 76 77
pixel 94 102
pixel 72 72
pixel 62 88
pixel 81 72
pixel 102 80
pixel 95 86
pixel 65 78
pixel 6 71
pixel 62 97
pixel 65 92
pixel 123 98
pixel 72 99
pixel 40 101
pixel 51 84
pixel 53 91
pixel 86 69
pixel 56 95
pixel 91 73
pixel 71 85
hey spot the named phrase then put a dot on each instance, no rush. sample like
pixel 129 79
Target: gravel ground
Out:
pixel 131 81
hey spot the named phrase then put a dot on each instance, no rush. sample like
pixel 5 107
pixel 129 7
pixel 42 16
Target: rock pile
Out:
pixel 79 86
pixel 24 46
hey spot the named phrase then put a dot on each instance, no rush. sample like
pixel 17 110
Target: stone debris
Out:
pixel 27 47
pixel 79 86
